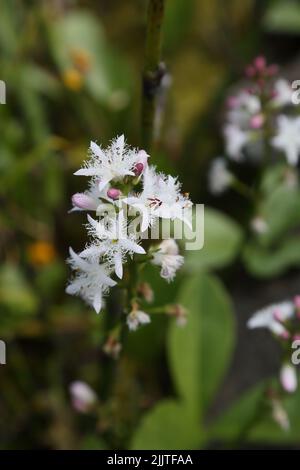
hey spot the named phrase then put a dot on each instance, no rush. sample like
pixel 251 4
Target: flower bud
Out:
pixel 257 121
pixel 260 63
pixel 288 378
pixel 83 396
pixel 114 193
pixel 83 201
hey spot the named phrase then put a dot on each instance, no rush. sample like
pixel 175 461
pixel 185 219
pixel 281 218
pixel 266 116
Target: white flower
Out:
pixel 90 282
pixel 160 198
pixel 219 178
pixel 236 139
pixel 113 163
pixel 246 106
pixel 283 93
pixel 288 378
pixel 168 258
pixel 272 316
pixel 112 242
pixel 136 318
pixel 82 395
pixel 259 225
pixel 288 138
pixel 279 414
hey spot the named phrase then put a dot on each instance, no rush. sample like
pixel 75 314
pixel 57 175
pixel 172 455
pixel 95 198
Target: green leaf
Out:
pixel 15 292
pixel 281 211
pixel 269 262
pixel 283 17
pixel 233 423
pixel 222 240
pixel 200 352
pixel 169 425
pixel 81 31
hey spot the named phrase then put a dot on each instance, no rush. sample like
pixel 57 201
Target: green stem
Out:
pixel 153 72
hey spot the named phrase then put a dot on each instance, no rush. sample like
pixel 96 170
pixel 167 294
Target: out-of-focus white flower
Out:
pixel 91 280
pixel 283 93
pixel 273 317
pixel 137 318
pixel 279 414
pixel 246 105
pixel 236 139
pixel 219 177
pixel 113 163
pixel 288 378
pixel 288 138
pixel 168 258
pixel 83 396
pixel 160 198
pixel 179 312
pixel 259 225
pixel 112 241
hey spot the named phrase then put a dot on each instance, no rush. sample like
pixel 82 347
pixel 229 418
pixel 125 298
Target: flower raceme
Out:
pixel 126 197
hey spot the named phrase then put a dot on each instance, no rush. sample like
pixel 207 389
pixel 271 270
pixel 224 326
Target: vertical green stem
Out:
pixel 153 71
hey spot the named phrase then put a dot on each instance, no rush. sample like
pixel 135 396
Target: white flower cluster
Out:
pixel 128 197
pixel 282 320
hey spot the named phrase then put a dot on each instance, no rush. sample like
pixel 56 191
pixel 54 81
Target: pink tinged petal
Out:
pixel 83 201
pixel 288 378
pixel 97 150
pixel 97 302
pixel 118 265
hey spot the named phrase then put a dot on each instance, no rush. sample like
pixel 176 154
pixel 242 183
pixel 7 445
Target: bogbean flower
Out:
pixel 282 320
pixel 219 177
pixel 124 193
pixel 83 397
pixel 260 112
pixel 167 256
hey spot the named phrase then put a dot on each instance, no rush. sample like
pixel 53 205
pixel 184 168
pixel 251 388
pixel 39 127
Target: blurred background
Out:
pixel 73 74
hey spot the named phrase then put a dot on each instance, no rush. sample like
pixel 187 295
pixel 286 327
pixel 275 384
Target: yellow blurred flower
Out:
pixel 81 60
pixel 72 79
pixel 41 253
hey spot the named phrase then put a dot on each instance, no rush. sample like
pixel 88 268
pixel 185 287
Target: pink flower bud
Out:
pixel 83 201
pixel 288 378
pixel 296 337
pixel 260 63
pixel 297 301
pixel 114 193
pixel 272 70
pixel 257 121
pixel 142 159
pixel 83 396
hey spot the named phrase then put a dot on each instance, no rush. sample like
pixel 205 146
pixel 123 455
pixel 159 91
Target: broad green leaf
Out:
pixel 283 17
pixel 222 240
pixel 233 423
pixel 169 425
pixel 81 31
pixel 269 262
pixel 200 352
pixel 281 211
